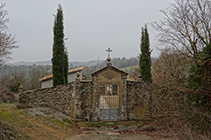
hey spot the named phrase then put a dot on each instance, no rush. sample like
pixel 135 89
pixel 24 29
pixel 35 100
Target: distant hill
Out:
pixel 44 63
pixel 31 63
pixel 85 63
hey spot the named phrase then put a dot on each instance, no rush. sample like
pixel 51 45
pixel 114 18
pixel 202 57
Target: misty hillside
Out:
pixel 28 74
pixel 44 63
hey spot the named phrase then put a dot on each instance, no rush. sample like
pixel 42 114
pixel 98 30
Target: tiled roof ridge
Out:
pixel 69 71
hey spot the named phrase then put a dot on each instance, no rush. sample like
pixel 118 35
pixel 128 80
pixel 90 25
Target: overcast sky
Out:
pixel 91 26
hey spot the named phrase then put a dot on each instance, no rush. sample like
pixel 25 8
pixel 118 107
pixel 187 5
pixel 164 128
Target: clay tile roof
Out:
pixel 75 70
pixel 69 71
pixel 45 77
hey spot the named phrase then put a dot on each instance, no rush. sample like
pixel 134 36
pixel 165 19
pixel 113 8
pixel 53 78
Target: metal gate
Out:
pixel 109 105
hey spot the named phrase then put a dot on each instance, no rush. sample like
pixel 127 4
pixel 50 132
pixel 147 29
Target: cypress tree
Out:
pixel 65 66
pixel 58 49
pixel 145 57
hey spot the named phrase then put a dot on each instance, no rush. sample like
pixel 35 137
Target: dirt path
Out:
pixel 111 131
pixel 111 136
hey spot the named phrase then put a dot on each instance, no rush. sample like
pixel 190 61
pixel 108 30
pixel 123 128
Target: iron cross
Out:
pixel 109 50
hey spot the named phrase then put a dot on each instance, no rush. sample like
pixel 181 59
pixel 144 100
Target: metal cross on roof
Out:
pixel 109 50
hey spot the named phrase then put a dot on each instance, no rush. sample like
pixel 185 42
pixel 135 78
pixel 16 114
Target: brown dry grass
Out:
pixel 41 128
pixel 45 128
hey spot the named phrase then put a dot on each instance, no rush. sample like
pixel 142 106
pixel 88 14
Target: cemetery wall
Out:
pixel 59 98
pixel 76 100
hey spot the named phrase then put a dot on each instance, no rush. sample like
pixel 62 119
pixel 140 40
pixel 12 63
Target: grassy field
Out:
pixel 36 127
pixel 127 69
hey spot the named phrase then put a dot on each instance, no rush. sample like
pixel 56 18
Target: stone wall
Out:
pixel 59 98
pixel 80 100
pixel 143 103
pixel 138 98
pixel 83 101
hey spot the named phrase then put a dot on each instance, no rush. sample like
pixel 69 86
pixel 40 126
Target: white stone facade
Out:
pixel 47 81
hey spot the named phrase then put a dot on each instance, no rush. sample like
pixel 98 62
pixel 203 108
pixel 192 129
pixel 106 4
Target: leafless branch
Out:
pixel 7 41
pixel 186 25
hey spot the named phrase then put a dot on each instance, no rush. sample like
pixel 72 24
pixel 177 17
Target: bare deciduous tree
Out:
pixel 187 28
pixel 7 41
pixel 171 70
pixel 186 25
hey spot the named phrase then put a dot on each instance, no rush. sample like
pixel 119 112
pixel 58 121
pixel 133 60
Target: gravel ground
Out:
pixel 111 136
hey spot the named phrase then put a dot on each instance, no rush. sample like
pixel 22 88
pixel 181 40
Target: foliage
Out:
pixel 11 77
pixel 116 62
pixel 58 63
pixel 61 123
pixel 18 79
pixel 7 41
pixel 35 73
pixel 171 70
pixel 66 120
pixel 6 97
pixel 144 57
pixel 186 28
pixel 199 95
pixel 66 67
pixel 200 77
pixel 121 62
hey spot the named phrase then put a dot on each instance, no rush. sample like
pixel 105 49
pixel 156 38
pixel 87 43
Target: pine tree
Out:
pixel 145 57
pixel 58 49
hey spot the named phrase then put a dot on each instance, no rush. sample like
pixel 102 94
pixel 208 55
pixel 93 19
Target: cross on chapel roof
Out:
pixel 109 59
pixel 109 50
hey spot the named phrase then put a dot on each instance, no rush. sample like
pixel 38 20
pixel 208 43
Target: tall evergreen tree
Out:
pixel 66 66
pixel 58 49
pixel 145 57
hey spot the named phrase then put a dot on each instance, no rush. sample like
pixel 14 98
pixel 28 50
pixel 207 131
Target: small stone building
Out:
pixel 47 81
pixel 109 93
pixel 109 96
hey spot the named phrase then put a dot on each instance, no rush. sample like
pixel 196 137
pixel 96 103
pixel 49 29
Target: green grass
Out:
pixel 66 120
pixel 42 127
pixel 9 116
pixel 147 120
pixel 128 68
pixel 61 123
pixel 95 124
pixel 134 123
pixel 5 104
